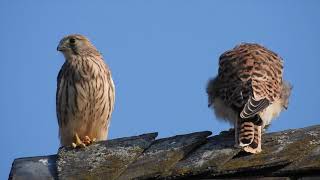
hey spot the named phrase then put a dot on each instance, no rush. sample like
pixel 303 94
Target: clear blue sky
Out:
pixel 161 54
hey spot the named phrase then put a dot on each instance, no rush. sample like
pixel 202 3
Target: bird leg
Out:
pixel 82 143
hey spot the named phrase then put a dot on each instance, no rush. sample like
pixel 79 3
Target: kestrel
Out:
pixel 249 91
pixel 85 93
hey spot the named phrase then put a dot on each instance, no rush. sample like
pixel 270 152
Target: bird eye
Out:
pixel 72 40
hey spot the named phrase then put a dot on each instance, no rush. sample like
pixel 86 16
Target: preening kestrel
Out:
pixel 85 93
pixel 249 91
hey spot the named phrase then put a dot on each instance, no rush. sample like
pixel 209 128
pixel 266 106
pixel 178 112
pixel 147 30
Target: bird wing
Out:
pixel 266 75
pixel 253 106
pixel 60 83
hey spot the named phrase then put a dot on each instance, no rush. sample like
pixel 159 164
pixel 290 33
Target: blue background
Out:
pixel 161 54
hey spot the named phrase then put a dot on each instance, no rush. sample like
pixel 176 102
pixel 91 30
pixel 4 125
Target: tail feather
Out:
pixel 246 133
pixel 257 137
pixel 250 142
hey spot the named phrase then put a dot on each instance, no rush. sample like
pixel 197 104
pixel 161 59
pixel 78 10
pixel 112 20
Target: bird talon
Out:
pixel 87 140
pixel 78 142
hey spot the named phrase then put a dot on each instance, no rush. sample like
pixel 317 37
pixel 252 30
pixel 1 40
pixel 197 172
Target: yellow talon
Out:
pixel 82 143
pixel 78 142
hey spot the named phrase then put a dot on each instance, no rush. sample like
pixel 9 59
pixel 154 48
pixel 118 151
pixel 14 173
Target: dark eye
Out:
pixel 72 40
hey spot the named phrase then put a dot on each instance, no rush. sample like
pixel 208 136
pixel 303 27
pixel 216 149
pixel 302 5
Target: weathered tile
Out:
pixel 102 160
pixel 37 168
pixel 207 158
pixel 162 155
pixel 279 150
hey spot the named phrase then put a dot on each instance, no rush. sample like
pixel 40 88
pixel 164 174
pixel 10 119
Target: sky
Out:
pixel 161 54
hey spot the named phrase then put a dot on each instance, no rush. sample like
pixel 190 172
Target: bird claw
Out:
pixel 87 140
pixel 82 143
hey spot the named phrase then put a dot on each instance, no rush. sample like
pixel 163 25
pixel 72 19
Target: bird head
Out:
pixel 75 44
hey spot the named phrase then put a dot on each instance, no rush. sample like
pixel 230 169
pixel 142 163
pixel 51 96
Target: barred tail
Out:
pixel 257 137
pixel 246 133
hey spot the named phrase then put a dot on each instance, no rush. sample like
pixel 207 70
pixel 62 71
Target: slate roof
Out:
pixel 293 153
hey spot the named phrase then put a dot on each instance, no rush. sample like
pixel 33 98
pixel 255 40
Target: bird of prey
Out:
pixel 85 93
pixel 249 91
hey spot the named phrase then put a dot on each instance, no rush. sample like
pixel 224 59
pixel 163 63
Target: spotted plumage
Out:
pixel 85 93
pixel 249 91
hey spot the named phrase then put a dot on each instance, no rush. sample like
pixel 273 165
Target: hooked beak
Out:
pixel 61 47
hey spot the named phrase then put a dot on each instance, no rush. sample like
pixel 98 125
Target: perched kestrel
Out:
pixel 249 91
pixel 85 93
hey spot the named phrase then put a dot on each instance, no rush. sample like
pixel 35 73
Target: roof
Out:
pixel 289 153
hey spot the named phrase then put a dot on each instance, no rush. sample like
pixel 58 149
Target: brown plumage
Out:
pixel 249 92
pixel 85 93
